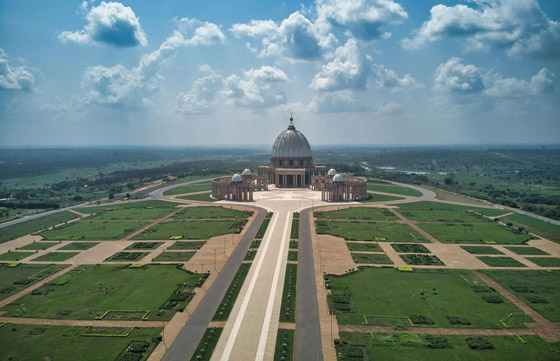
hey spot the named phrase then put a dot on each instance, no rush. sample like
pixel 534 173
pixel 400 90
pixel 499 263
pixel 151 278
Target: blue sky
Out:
pixel 376 72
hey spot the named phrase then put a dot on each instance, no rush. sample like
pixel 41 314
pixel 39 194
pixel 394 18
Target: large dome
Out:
pixel 291 143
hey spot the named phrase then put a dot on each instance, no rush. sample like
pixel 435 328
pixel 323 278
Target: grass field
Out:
pixel 410 248
pixel 501 262
pixel 55 257
pixel 428 205
pixel 369 231
pixel 293 255
pixel 135 213
pixel 371 247
pixel 144 245
pixel 199 197
pixel 15 256
pixel 394 189
pixel 34 225
pixel 15 279
pixel 186 245
pixel 364 213
pixel 293 244
pixel 440 215
pixel 493 212
pixel 545 261
pixel 250 255
pixel 418 347
pixel 294 232
pixel 190 230
pixel 190 188
pixel 149 204
pixel 33 342
pixel 427 297
pixel 37 246
pixel 527 251
pixel 262 228
pixel 126 257
pixel 206 346
pixel 78 246
pixel 539 289
pixel 544 229
pixel 173 257
pixel 371 258
pixel 89 291
pixel 224 309
pixel 474 233
pixel 211 213
pixel 482 250
pixel 288 306
pixel 96 231
pixel 284 349
pixel 373 197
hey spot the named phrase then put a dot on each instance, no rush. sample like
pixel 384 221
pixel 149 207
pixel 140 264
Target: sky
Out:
pixel 213 73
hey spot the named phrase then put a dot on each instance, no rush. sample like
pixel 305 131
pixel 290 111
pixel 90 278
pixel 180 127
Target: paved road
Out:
pixel 184 345
pixel 158 193
pixel 308 344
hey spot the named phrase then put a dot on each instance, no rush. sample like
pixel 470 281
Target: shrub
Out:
pixel 479 343
pixel 437 342
pixel 492 299
pixel 421 320
pixel 455 320
pixel 483 289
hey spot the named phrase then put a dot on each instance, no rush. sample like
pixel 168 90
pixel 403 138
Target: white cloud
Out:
pixel 455 77
pixel 389 109
pixel 348 70
pixel 123 87
pixel 520 27
pixel 257 88
pixel 364 18
pixel 295 37
pixel 108 23
pixel 337 102
pixel 17 77
pixel 202 97
pixel 542 83
pixel 387 78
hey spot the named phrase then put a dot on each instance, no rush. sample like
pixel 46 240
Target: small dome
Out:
pixel 332 172
pixel 247 171
pixel 338 178
pixel 236 178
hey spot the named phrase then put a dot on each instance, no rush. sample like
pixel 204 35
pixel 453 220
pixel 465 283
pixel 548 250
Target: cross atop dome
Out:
pixel 291 126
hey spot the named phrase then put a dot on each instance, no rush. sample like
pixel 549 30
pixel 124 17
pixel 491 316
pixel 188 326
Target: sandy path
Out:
pixel 413 225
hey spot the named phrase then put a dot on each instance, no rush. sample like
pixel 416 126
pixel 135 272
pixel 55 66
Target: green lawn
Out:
pixel 294 232
pixel 211 213
pixel 173 257
pixel 55 257
pixel 88 291
pixel 224 309
pixel 190 229
pixel 293 245
pixel 421 347
pixel 78 246
pixel 284 349
pixel 34 225
pixel 37 246
pixel 369 231
pixel 33 342
pixel 186 245
pixel 371 258
pixel 391 188
pixel 474 233
pixel 545 261
pixel 365 213
pixel 199 197
pixel 206 346
pixel 134 213
pixel 434 295
pixel 428 205
pixel 126 257
pixel 371 247
pixel 15 256
pixel 373 197
pixel 421 259
pixel 441 215
pixel 501 261
pixel 493 212
pixel 149 204
pixel 410 248
pixel 288 306
pixel 539 289
pixel 16 278
pixel 527 251
pixel 262 228
pixel 190 188
pixel 96 231
pixel 250 255
pixel 482 250
pixel 543 229
pixel 144 245
pixel 293 255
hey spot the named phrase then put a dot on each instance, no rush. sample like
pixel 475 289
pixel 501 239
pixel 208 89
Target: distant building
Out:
pixel 291 166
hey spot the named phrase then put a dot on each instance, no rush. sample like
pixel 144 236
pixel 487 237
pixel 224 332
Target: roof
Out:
pixel 291 143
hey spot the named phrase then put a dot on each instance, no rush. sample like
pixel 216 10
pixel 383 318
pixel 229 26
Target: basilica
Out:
pixel 291 166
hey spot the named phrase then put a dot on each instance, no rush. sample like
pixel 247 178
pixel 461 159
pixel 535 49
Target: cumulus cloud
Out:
pixel 202 97
pixel 520 27
pixel 363 18
pixel 389 109
pixel 295 37
pixel 257 88
pixel 337 102
pixel 108 23
pixel 387 78
pixel 348 70
pixel 130 87
pixel 457 78
pixel 12 77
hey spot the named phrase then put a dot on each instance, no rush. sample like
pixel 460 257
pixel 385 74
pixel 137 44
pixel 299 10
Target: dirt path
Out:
pixel 548 330
pixel 413 225
pixel 151 225
pixel 440 331
pixel 96 323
